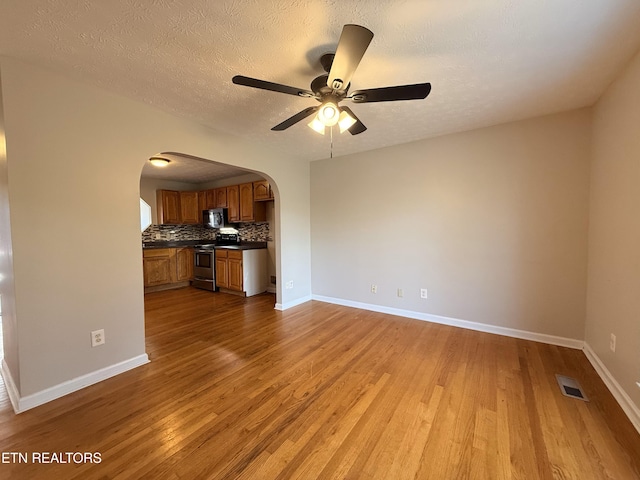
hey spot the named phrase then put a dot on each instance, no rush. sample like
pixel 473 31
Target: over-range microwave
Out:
pixel 214 218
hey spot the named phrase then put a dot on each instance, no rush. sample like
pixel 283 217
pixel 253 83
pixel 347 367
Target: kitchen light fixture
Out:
pixel 159 161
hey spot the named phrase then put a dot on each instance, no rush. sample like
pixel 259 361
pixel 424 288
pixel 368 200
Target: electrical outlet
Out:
pixel 612 343
pixel 289 285
pixel 400 293
pixel 97 337
pixel 374 288
pixel 423 293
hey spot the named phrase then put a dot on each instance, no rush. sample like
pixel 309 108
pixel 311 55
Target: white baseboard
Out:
pixel 632 411
pixel 454 322
pixel 21 404
pixel 294 303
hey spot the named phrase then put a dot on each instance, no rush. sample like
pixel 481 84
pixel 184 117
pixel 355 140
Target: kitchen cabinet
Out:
pixel 202 201
pixel 235 270
pixel 242 271
pixel 233 203
pixel 168 205
pixel 250 210
pixel 209 199
pixel 262 191
pixel 222 268
pixel 159 266
pixel 189 209
pixel 184 264
pixel 177 207
pixel 166 268
pixel 220 198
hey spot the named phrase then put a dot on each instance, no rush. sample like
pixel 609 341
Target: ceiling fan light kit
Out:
pixel 331 88
pixel 317 125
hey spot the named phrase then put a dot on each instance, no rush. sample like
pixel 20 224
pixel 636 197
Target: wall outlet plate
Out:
pixel 374 288
pixel 400 293
pixel 423 293
pixel 97 337
pixel 612 343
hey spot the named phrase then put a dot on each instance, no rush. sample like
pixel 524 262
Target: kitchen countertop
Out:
pixel 198 243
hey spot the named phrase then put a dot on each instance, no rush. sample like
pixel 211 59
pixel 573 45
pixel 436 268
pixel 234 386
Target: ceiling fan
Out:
pixel 331 88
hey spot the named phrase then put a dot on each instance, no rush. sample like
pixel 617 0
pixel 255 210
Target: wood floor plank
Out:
pixel 238 390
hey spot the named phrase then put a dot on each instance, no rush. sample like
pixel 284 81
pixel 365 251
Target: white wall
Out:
pixel 613 304
pixel 492 222
pixel 75 154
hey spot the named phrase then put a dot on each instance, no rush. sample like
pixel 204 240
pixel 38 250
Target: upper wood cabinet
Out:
pixel 262 191
pixel 250 211
pixel 220 195
pixel 178 207
pixel 202 201
pixel 233 203
pixel 168 206
pixel 246 202
pixel 189 209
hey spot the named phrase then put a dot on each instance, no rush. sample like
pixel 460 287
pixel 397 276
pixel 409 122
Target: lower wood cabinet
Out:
pixel 242 271
pixel 159 266
pixel 167 267
pixel 184 264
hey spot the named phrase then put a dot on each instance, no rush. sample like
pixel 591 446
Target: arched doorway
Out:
pixel 197 178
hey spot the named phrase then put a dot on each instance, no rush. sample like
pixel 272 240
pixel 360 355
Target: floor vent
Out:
pixel 571 388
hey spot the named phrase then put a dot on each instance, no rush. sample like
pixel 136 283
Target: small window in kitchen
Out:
pixel 145 215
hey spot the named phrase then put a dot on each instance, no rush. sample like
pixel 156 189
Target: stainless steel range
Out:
pixel 204 268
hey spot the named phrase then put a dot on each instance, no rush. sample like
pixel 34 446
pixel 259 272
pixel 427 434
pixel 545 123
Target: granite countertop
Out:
pixel 198 243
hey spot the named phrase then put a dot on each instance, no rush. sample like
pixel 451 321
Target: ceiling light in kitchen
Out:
pixel 159 161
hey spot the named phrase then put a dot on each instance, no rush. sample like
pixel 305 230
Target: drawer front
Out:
pixel 235 254
pixel 157 252
pixel 221 253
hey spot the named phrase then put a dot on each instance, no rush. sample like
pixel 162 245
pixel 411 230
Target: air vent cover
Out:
pixel 571 388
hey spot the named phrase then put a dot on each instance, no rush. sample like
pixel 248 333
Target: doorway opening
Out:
pixel 186 191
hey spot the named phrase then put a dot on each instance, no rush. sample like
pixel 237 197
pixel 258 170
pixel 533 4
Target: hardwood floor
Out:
pixel 237 390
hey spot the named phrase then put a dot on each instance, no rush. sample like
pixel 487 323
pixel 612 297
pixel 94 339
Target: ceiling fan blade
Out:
pixel 392 94
pixel 274 87
pixel 353 42
pixel 357 127
pixel 296 118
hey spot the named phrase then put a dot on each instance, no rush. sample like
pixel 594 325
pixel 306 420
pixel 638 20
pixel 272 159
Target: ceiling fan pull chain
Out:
pixel 331 132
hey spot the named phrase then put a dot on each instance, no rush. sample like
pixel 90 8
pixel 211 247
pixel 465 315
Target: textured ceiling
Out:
pixel 489 61
pixel 191 170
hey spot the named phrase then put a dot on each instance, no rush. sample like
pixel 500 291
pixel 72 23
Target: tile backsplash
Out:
pixel 249 232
